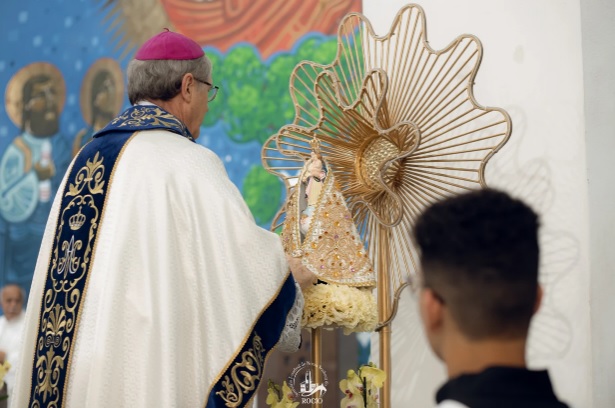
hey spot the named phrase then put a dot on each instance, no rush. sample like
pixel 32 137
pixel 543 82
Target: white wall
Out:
pixel 597 19
pixel 533 67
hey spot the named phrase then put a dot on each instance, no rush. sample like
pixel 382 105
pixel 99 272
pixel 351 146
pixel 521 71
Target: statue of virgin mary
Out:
pixel 320 230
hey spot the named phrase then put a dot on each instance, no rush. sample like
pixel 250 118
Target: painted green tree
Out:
pixel 254 102
pixel 263 194
pixel 216 107
pixel 254 99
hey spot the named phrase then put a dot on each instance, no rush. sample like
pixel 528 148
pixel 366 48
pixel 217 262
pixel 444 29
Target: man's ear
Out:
pixel 188 87
pixel 539 294
pixel 432 310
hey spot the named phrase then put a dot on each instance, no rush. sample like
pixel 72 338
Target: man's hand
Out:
pixel 302 275
pixel 2 357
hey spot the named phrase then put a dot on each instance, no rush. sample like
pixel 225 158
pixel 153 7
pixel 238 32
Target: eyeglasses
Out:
pixel 213 89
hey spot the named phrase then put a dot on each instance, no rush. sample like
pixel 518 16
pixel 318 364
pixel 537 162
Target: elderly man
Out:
pixel 154 286
pixel 479 256
pixel 11 326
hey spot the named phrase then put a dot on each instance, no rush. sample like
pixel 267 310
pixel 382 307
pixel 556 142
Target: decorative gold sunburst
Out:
pixel 398 125
pixel 134 22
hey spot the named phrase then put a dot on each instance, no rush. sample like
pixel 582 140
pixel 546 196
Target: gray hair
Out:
pixel 162 79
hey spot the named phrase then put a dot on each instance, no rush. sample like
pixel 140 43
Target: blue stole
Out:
pixel 74 247
pixel 237 384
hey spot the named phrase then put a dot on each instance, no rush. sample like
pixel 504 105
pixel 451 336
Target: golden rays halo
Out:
pixel 112 68
pixel 398 125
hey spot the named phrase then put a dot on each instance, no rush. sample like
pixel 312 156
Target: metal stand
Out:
pixel 317 359
pixel 384 310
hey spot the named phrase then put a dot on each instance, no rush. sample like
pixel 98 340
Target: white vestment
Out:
pixel 10 343
pixel 180 274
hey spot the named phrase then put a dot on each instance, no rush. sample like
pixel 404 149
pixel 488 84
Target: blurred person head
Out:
pixel 479 261
pixel 11 300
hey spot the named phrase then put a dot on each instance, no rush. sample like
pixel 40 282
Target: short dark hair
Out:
pixel 480 254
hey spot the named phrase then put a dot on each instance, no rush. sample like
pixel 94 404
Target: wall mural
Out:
pixel 62 71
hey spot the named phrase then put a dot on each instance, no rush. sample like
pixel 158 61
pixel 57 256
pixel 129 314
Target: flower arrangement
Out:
pixel 361 387
pixel 332 305
pixel 280 397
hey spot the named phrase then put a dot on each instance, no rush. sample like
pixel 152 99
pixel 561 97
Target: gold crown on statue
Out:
pixel 76 221
pixel 315 145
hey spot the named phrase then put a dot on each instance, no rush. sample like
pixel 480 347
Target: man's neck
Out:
pixel 463 356
pixel 173 106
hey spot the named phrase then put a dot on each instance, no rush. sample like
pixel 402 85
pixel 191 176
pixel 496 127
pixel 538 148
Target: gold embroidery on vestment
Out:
pixel 59 319
pixel 247 336
pixel 148 115
pixel 244 375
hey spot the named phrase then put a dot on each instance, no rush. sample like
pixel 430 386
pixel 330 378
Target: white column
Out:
pixel 598 30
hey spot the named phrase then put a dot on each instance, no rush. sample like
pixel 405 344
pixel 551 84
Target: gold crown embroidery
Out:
pixel 76 221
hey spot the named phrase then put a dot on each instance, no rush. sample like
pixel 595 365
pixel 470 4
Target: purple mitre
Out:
pixel 169 46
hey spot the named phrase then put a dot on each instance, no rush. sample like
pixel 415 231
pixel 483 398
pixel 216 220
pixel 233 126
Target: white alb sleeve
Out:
pixel 290 339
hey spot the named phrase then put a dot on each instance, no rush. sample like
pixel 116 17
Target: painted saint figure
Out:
pixel 102 93
pixel 29 166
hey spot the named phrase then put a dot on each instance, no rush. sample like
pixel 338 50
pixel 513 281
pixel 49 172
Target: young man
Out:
pixel 479 258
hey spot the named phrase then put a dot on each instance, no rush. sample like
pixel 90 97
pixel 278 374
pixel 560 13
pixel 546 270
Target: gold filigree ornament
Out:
pixel 399 128
pixel 245 375
pixel 69 264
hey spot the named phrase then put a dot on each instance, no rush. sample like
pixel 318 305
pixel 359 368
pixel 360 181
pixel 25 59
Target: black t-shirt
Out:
pixel 502 387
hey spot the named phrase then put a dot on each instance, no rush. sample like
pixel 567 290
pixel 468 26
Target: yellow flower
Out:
pixel 361 389
pixel 355 401
pixel 287 397
pixel 352 383
pixel 4 368
pixel 373 376
pixel 273 397
pixel 353 389
pixel 280 397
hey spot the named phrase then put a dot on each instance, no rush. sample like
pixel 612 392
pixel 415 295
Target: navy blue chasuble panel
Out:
pixel 71 258
pixel 235 387
pixel 74 245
